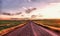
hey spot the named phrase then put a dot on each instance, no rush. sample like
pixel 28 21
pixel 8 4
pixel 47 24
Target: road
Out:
pixel 31 29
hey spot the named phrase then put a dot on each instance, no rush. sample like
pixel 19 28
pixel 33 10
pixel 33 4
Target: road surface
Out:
pixel 31 29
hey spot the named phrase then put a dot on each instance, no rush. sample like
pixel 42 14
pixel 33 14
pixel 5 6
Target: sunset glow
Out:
pixel 51 11
pixel 44 9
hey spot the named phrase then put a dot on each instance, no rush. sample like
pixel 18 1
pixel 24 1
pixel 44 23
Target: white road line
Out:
pixel 35 34
pixel 53 34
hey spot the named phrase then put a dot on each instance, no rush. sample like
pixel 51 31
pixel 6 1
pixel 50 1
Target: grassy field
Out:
pixel 10 23
pixel 50 22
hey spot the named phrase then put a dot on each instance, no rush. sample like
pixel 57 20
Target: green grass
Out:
pixel 10 23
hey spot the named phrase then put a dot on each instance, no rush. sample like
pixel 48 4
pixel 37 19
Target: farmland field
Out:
pixel 10 23
pixel 49 22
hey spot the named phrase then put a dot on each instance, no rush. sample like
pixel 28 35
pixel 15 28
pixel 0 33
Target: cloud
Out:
pixel 29 0
pixel 46 1
pixel 30 9
pixel 50 11
pixel 18 13
pixel 27 9
pixel 6 14
pixel 56 1
pixel 52 1
pixel 33 16
pixel 24 8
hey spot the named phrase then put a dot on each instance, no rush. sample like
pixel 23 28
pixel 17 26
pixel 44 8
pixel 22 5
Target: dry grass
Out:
pixel 51 22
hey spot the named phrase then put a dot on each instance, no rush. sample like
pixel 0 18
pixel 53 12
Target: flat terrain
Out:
pixel 49 22
pixel 32 29
pixel 4 24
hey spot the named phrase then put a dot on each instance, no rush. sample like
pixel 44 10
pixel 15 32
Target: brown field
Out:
pixel 49 22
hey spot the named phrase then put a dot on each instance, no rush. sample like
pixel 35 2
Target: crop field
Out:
pixel 50 22
pixel 10 23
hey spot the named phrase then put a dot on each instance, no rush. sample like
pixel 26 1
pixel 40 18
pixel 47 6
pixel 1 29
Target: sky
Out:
pixel 44 8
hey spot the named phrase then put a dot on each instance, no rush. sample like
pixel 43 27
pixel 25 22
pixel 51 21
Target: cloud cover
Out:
pixel 17 5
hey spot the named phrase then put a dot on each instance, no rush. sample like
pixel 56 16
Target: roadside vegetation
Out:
pixel 10 23
pixel 49 22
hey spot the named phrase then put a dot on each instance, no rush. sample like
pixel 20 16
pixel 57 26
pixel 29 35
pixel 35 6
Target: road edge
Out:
pixel 5 31
pixel 50 27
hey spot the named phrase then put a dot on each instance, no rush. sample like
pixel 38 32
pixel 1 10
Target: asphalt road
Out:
pixel 31 29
